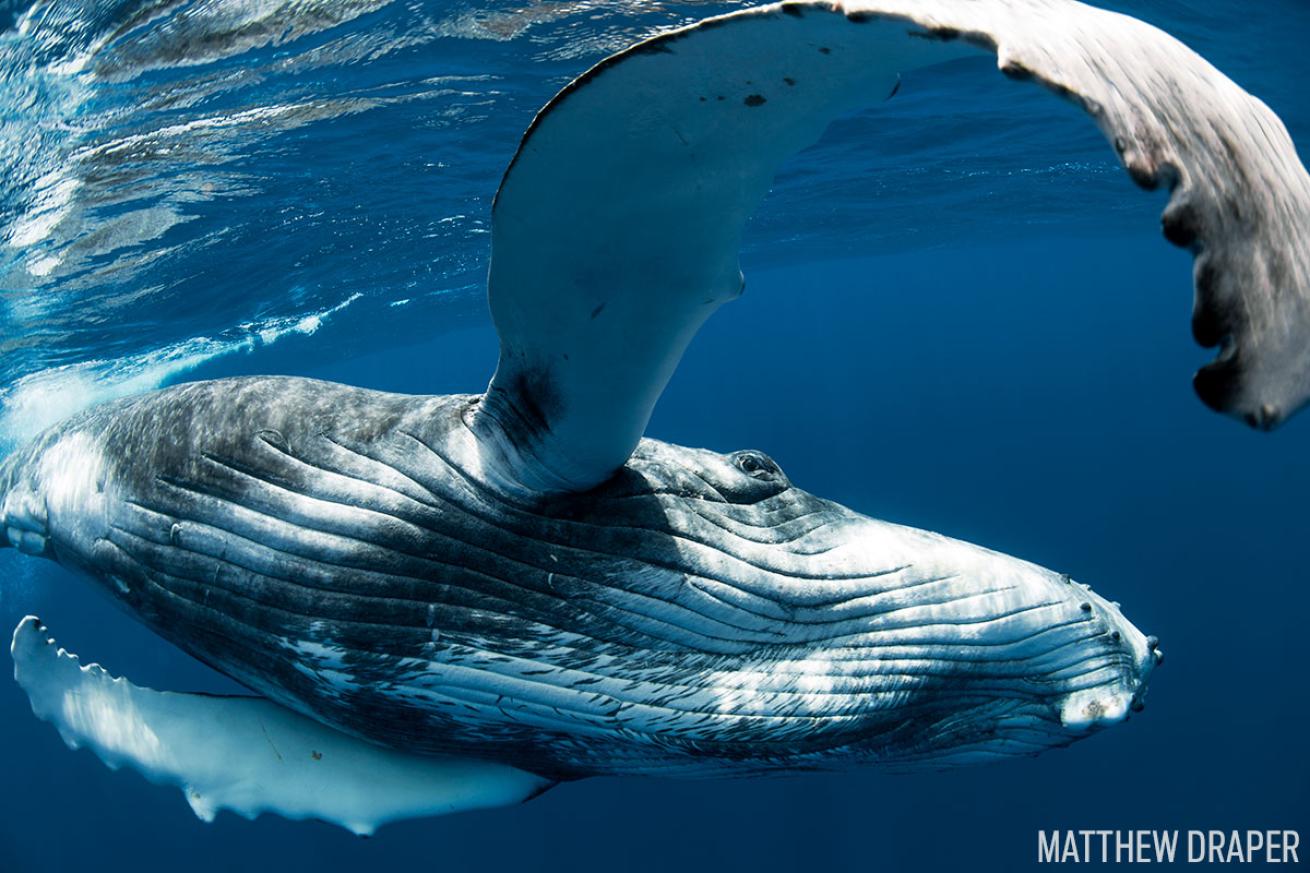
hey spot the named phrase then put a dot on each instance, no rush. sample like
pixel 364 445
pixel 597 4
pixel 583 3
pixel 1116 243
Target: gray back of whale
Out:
pixel 333 549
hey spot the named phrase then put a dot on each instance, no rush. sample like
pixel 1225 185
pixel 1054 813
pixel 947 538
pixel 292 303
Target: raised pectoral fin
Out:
pixel 248 754
pixel 616 228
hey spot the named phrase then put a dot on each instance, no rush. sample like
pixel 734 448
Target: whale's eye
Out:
pixel 757 465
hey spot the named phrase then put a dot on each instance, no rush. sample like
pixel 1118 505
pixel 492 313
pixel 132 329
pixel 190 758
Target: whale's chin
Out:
pixel 992 656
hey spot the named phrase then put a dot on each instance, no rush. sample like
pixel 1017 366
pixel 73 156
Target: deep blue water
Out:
pixel 960 316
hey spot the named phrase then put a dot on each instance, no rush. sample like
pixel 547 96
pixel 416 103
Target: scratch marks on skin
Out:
pixel 264 729
pixel 326 665
pixel 755 692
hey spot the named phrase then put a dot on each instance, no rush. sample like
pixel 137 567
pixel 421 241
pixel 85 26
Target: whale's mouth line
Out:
pixel 1007 729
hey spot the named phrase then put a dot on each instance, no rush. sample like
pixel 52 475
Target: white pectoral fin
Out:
pixel 248 754
pixel 616 227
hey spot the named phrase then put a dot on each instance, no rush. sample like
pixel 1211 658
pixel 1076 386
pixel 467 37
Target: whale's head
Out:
pixel 1007 659
pixel 872 641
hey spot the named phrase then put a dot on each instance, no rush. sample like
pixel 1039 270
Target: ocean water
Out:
pixel 960 315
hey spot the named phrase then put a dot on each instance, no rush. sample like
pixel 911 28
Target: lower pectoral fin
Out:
pixel 248 754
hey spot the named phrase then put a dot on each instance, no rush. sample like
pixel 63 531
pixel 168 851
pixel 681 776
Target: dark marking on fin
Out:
pixel 598 310
pixel 824 50
pixel 789 80
pixel 537 792
pixel 536 400
pixel 795 10
pixel 755 100
pixel 1216 385
pixel 1180 225
pixel 1143 176
pixel 1017 71
pixel 1209 324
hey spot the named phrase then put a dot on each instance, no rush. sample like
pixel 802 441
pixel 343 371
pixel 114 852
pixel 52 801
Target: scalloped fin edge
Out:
pixel 249 754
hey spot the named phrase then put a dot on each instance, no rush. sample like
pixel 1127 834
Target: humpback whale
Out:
pixel 451 602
